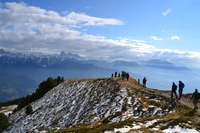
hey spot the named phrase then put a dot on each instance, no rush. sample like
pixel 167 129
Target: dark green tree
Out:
pixel 29 110
pixel 3 122
pixel 42 89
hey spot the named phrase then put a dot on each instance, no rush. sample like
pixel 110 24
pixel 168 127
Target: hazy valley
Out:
pixel 20 73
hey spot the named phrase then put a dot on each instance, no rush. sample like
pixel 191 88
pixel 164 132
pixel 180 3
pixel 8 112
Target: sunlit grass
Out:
pixel 8 108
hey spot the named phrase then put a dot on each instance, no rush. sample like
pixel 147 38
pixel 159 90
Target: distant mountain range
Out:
pixel 20 73
pixel 38 61
pixel 64 59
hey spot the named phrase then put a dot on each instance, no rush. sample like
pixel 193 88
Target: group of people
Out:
pixel 195 95
pixel 124 75
pixel 181 85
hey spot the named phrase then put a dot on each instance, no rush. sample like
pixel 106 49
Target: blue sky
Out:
pixel 131 30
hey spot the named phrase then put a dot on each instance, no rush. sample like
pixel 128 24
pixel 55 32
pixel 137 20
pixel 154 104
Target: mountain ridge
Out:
pixel 48 60
pixel 95 102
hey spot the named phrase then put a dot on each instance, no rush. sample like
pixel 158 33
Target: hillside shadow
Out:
pixel 191 113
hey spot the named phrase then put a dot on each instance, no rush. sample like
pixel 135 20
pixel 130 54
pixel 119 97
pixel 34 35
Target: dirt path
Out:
pixel 132 83
pixel 184 101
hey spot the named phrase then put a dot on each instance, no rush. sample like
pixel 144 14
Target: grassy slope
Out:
pixel 182 116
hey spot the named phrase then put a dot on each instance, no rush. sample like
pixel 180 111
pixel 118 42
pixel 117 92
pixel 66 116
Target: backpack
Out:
pixel 182 85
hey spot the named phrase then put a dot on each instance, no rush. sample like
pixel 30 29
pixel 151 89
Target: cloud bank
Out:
pixel 32 29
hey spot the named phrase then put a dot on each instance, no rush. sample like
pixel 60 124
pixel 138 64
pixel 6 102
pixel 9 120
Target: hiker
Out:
pixel 116 74
pixel 112 75
pixel 119 75
pixel 174 88
pixel 138 81
pixel 144 82
pixel 195 99
pixel 180 88
pixel 127 76
pixel 123 75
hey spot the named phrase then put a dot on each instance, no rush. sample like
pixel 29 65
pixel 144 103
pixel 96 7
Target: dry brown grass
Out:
pixel 183 113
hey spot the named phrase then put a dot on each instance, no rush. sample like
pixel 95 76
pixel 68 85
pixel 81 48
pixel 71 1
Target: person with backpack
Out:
pixel 195 99
pixel 144 81
pixel 174 88
pixel 180 88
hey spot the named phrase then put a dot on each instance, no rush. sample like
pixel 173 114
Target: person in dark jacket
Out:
pixel 174 88
pixel 180 88
pixel 123 75
pixel 144 81
pixel 116 74
pixel 127 76
pixel 195 99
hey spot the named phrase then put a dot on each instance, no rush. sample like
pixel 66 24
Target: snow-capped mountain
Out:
pixel 36 60
pixel 96 102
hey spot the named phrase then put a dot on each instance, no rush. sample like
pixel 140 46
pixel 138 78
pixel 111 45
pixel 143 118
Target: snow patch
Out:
pixel 180 130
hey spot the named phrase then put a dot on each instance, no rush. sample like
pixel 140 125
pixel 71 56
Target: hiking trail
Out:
pixel 133 85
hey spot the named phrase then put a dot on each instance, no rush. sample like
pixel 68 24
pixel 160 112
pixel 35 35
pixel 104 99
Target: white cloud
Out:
pixel 28 28
pixel 25 28
pixel 156 38
pixel 20 13
pixel 165 13
pixel 83 19
pixel 175 38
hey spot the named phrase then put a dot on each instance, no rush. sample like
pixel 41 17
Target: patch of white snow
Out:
pixel 180 130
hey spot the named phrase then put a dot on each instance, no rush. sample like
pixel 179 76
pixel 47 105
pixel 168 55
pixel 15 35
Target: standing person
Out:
pixel 180 88
pixel 195 99
pixel 174 88
pixel 123 75
pixel 116 74
pixel 138 81
pixel 119 75
pixel 127 76
pixel 144 82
